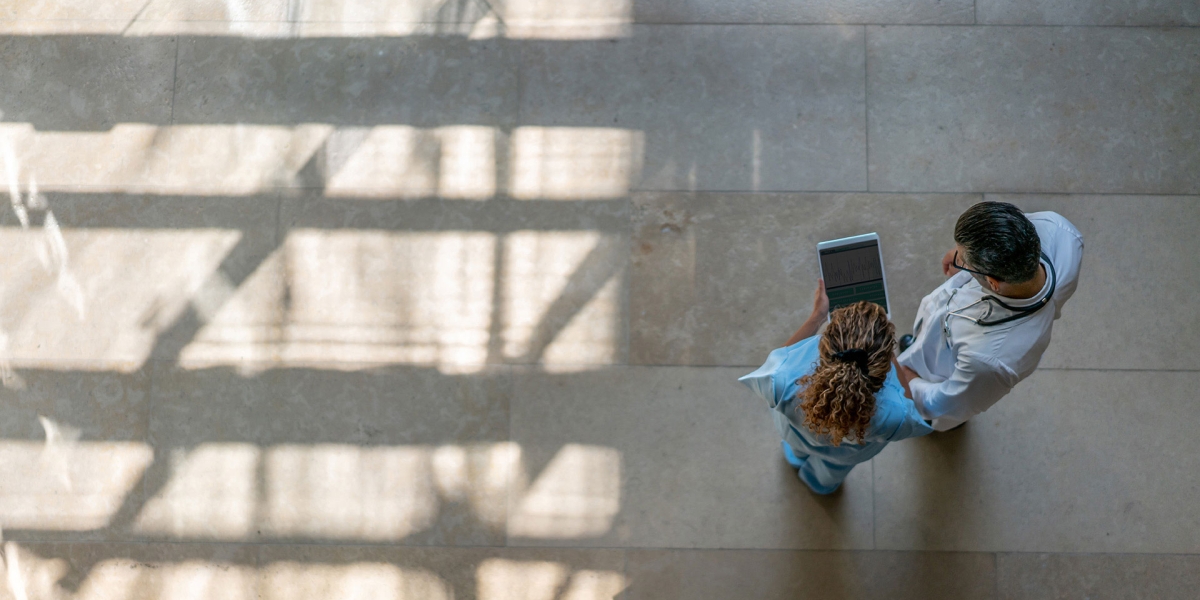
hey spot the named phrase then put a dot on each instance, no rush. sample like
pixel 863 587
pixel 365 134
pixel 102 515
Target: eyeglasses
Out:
pixel 958 266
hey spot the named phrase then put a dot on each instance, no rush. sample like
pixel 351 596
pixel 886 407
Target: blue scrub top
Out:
pixel 895 418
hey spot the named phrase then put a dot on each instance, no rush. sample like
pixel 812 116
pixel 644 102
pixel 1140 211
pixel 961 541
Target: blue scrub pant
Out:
pixel 820 476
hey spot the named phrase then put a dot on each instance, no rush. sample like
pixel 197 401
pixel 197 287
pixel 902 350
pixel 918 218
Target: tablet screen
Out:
pixel 853 273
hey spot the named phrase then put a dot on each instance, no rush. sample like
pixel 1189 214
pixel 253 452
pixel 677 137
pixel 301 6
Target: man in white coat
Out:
pixel 986 327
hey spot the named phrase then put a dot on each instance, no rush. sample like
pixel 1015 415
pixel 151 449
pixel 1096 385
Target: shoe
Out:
pixel 906 340
pixel 791 457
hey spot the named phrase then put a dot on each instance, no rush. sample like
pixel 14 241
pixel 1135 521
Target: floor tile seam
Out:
pixel 157 21
pixel 1045 552
pixel 488 367
pixel 766 550
pixel 709 549
pixel 1079 553
pixel 174 82
pixel 153 190
pixel 973 192
pixel 997 553
pixel 636 191
pixel 874 514
pixel 866 109
pixel 76 365
pixel 625 567
pixel 149 440
pixel 1118 370
pixel 367 544
pixel 1104 194
pixel 177 191
pixel 546 23
pixel 516 368
pixel 511 493
pixel 913 25
pixel 996 576
pixel 335 544
pixel 756 365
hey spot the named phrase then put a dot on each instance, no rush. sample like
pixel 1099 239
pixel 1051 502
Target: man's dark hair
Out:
pixel 1000 241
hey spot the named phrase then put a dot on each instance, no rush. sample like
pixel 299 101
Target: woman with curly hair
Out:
pixel 835 397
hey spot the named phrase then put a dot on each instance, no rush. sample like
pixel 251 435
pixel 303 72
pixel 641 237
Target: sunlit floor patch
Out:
pixel 67 485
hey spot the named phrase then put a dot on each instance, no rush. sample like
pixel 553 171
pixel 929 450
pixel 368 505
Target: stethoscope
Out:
pixel 1019 311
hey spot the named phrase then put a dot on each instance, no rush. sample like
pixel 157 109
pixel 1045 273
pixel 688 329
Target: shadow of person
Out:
pixel 942 468
pixel 832 572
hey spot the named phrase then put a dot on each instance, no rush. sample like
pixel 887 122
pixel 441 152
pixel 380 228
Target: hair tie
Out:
pixel 854 355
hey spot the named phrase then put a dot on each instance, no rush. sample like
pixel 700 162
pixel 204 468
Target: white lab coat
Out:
pixel 966 374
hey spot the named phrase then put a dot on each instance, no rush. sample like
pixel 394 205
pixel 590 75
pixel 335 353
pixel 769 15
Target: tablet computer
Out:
pixel 853 271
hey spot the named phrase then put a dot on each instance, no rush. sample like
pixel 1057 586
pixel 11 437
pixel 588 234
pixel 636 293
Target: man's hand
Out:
pixel 820 301
pixel 948 263
pixel 905 375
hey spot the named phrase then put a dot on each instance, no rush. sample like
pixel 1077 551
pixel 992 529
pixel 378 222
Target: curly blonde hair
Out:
pixel 838 398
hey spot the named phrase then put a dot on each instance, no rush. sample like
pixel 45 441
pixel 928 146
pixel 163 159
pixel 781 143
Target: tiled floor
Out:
pixel 448 298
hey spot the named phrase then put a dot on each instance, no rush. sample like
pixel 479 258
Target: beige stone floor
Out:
pixel 432 299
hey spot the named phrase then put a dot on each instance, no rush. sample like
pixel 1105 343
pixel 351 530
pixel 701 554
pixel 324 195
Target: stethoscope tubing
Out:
pixel 1021 311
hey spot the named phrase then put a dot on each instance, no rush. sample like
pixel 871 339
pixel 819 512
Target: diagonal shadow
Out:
pixel 246 257
pixel 596 269
pixel 242 261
